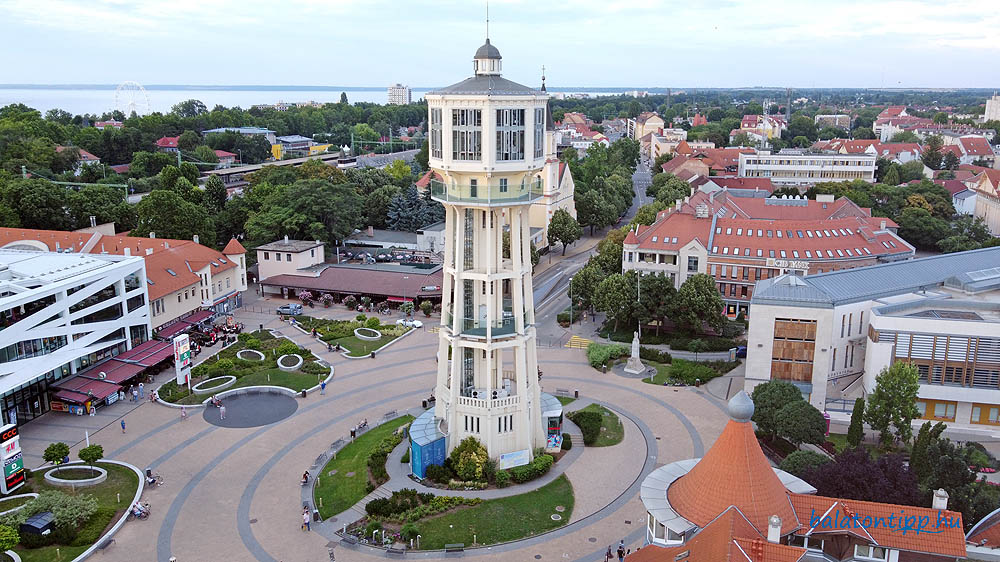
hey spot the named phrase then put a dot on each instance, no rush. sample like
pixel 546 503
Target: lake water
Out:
pixel 98 99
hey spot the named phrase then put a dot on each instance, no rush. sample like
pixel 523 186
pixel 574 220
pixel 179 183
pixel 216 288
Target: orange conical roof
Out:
pixel 734 472
pixel 234 247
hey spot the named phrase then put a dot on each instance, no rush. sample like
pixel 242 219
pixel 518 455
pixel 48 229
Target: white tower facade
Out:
pixel 487 144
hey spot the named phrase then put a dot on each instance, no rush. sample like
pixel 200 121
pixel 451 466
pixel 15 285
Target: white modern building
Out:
pixel 487 147
pixel 831 334
pixel 992 109
pixel 59 314
pixel 792 166
pixel 399 94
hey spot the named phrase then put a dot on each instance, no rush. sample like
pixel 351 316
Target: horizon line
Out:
pixel 651 89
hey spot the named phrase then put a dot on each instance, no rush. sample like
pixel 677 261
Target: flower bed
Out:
pixel 367 334
pixel 290 362
pixel 250 355
pixel 342 332
pixel 210 385
pixel 75 476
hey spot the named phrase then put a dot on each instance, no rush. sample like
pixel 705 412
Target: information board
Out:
pixel 182 358
pixel 13 460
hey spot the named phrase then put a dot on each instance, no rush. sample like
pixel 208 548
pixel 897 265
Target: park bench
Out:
pixel 563 392
pixel 455 547
pixel 389 415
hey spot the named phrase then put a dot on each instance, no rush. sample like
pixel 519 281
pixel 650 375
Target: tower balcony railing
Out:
pixel 487 193
pixel 477 327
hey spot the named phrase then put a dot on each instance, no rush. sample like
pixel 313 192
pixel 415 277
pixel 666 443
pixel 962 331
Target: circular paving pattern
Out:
pixel 367 334
pixel 252 410
pixel 290 362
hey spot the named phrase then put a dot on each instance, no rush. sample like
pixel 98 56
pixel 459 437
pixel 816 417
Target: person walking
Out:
pixel 607 555
pixel 184 413
pixel 141 390
pixel 621 552
pixel 123 425
pixel 222 412
pixel 135 394
pixel 305 521
pixel 322 388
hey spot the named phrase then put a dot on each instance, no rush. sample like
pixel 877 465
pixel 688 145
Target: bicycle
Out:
pixel 156 477
pixel 140 511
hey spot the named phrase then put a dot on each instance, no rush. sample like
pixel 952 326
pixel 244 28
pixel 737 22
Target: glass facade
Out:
pixel 510 134
pixel 466 134
pixel 30 400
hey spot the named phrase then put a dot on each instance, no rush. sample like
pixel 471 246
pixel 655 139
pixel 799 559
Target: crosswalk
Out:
pixel 577 342
pixel 434 329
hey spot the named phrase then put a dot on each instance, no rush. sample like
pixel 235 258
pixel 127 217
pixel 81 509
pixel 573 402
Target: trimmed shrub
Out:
pixel 691 372
pixel 409 531
pixel 469 459
pixel 361 318
pixel 532 470
pixel 799 463
pixel 288 348
pixel 653 354
pixel 502 478
pixel 373 323
pixel 710 344
pixel 567 442
pixel 599 354
pixel 589 424
pixel 405 457
pixel 351 302
pixel 314 368
pixel 437 473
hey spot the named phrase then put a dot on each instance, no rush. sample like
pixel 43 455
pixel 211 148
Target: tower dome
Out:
pixel 487 60
pixel 741 407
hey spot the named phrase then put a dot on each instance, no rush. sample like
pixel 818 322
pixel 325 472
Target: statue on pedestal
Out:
pixel 634 365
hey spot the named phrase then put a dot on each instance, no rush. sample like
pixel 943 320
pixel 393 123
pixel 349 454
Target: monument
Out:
pixel 634 365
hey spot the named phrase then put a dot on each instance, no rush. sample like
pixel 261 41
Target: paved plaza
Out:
pixel 232 487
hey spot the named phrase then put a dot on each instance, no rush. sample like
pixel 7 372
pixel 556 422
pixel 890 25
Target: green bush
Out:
pixel 599 354
pixel 373 323
pixel 288 348
pixel 691 372
pixel 653 354
pixel 502 478
pixel 68 511
pixel 733 329
pixel 94 528
pixel 799 463
pixel 589 424
pixel 224 366
pixel 405 457
pixel 532 470
pixel 567 442
pixel 409 531
pixel 361 318
pixel 710 344
pixel 469 459
pixel 249 341
pixel 314 368
pixel 376 461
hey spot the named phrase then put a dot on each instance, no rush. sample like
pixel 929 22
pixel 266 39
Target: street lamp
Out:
pixel 571 304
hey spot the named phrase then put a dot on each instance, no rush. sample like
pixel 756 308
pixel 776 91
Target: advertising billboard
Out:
pixel 182 358
pixel 13 460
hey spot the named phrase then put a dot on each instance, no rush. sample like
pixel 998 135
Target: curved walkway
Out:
pixel 234 493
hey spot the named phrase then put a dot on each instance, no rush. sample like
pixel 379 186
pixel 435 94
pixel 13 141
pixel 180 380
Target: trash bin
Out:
pixel 315 515
pixel 423 404
pixel 604 369
pixel 576 393
pixel 303 393
pixel 373 355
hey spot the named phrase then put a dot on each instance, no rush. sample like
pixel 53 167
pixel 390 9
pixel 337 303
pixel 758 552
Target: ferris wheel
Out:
pixel 131 97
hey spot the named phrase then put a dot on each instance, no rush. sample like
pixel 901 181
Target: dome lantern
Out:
pixel 487 60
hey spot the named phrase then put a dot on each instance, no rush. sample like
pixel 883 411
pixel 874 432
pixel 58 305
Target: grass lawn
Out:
pixel 7 505
pixel 360 348
pixel 840 441
pixel 662 373
pixel 294 380
pixel 341 491
pixel 612 431
pixel 120 479
pixel 81 473
pixel 564 400
pixel 501 520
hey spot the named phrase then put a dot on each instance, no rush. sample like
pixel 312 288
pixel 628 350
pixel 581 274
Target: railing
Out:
pixel 486 193
pixel 481 403
pixel 477 328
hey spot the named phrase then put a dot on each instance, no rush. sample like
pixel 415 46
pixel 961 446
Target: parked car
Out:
pixel 741 351
pixel 291 309
pixel 410 323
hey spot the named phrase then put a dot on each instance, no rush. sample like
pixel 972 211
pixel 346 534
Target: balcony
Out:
pixel 488 404
pixel 487 193
pixel 477 328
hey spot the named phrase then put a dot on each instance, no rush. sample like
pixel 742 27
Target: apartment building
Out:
pixel 399 94
pixel 831 334
pixel 59 314
pixel 184 278
pixel 796 167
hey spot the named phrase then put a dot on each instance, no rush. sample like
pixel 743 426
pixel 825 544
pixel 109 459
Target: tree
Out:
pixel 215 195
pixel 931 157
pixel 593 210
pixel 856 431
pixel 91 454
pixel 422 155
pixel 55 453
pixel 768 399
pixel 205 154
pixel 893 403
pixel 168 176
pixel 647 213
pixel 800 422
pixel 400 172
pixel 801 141
pixel 697 346
pixel 189 108
pixel 919 462
pixel 564 229
pixel 252 149
pixel 9 538
pixel 698 303
pixel 668 188
pixel 584 284
pixel 406 211
pixel 660 161
pixel 854 475
pixel 799 463
pixel 427 307
pixel 343 98
pixel 170 216
pixel 950 161
pixel 904 136
pixel 188 140
pixel 891 177
pixel 940 117
pixel 863 133
pixel 614 296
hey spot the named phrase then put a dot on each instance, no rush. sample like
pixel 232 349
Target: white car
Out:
pixel 409 323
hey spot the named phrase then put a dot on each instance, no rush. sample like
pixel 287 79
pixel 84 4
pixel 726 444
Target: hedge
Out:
pixel 711 344
pixel 589 424
pixel 567 442
pixel 653 354
pixel 599 354
pixel 532 470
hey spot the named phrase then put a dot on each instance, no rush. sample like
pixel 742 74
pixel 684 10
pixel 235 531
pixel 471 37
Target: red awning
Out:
pixel 148 353
pixel 173 330
pixel 79 389
pixel 140 350
pixel 120 372
pixel 161 355
pixel 198 316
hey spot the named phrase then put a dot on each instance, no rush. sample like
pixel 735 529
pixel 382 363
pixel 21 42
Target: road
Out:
pixel 641 179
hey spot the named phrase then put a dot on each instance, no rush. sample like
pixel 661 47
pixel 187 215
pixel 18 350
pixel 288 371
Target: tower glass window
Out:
pixel 510 134
pixel 539 132
pixel 466 134
pixel 435 133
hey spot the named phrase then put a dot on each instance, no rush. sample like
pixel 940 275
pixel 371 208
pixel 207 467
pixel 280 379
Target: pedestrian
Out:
pixel 608 555
pixel 621 552
pixel 305 521
pixel 135 395
pixel 322 388
pixel 123 425
pixel 141 390
pixel 184 413
pixel 222 412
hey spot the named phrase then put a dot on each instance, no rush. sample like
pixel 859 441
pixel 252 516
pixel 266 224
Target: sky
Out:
pixel 581 43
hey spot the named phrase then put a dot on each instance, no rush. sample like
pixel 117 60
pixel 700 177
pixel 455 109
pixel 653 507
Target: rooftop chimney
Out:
pixel 371 231
pixel 128 251
pixel 286 239
pixel 166 245
pixel 195 238
pixel 57 246
pixel 152 235
pixel 940 499
pixel 882 225
pixel 774 529
pixel 93 221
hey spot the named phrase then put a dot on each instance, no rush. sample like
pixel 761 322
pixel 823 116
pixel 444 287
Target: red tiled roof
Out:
pixel 858 146
pixel 167 142
pixel 713 484
pixel 683 148
pixel 953 186
pixel 121 168
pixel 223 154
pixel 892 111
pixel 234 247
pixel 986 532
pixel 976 146
pixel 942 540
pixel 425 180
pixel 893 149
pixel 722 158
pixel 952 148
pixel 729 538
pixel 763 184
pixel 698 119
pixel 84 156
